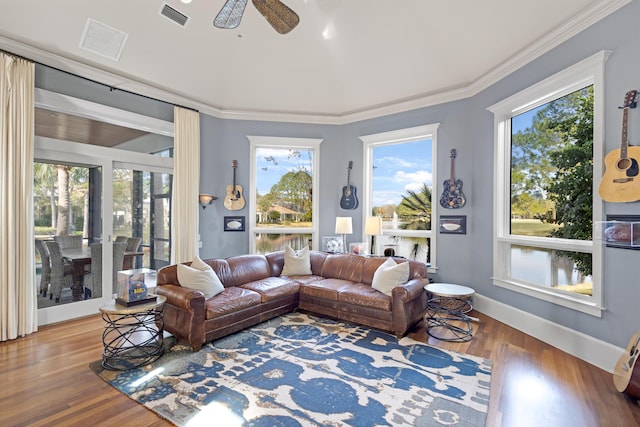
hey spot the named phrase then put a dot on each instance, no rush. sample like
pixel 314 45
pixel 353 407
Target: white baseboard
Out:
pixel 591 350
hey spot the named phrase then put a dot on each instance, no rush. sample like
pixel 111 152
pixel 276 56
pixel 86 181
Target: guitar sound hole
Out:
pixel 623 164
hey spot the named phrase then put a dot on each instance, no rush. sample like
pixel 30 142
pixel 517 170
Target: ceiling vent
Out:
pixel 102 39
pixel 174 15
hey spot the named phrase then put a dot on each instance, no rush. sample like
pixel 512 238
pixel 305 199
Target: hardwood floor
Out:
pixel 46 381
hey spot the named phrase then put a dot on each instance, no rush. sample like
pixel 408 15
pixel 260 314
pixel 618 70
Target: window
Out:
pixel 399 177
pixel 284 178
pixel 548 157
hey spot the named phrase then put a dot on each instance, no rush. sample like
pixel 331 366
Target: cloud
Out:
pixel 413 180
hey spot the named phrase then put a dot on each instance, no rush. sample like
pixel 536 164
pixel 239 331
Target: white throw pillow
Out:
pixel 389 275
pixel 296 263
pixel 201 277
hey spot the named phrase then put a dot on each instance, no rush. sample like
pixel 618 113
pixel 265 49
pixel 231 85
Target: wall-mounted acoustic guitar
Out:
pixel 452 196
pixel 620 182
pixel 349 199
pixel 626 374
pixel 234 200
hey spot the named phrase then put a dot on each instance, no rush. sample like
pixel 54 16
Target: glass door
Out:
pixel 68 206
pixel 142 214
pixel 80 148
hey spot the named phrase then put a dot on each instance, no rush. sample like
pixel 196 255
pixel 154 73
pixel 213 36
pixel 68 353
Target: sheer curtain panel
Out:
pixel 186 184
pixel 18 313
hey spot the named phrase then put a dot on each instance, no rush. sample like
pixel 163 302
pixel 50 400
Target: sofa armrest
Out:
pixel 184 298
pixel 409 303
pixel 411 290
pixel 184 313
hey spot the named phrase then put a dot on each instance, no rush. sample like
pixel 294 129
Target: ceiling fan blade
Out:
pixel 279 15
pixel 230 15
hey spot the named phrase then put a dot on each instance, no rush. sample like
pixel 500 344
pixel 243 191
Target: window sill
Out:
pixel 567 300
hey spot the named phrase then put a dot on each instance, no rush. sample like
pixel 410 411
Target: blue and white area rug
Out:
pixel 300 370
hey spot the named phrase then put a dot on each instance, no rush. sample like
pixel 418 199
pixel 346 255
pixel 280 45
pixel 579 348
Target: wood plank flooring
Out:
pixel 46 381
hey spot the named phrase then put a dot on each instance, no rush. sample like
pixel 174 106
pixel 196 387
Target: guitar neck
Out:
pixel 452 170
pixel 625 142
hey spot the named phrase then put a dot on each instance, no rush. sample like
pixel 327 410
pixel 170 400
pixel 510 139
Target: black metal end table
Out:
pixel 447 309
pixel 132 336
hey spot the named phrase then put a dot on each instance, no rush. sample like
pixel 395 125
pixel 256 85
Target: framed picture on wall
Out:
pixel 453 224
pixel 233 223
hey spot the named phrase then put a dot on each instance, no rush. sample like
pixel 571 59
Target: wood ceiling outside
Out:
pixel 66 127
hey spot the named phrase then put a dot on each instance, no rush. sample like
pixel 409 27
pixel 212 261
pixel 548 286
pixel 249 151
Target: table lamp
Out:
pixel 373 227
pixel 344 227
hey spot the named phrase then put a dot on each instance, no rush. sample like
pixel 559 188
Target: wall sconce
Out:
pixel 206 199
pixel 373 227
pixel 344 226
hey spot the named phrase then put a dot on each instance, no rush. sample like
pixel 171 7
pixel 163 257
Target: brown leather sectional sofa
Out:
pixel 339 287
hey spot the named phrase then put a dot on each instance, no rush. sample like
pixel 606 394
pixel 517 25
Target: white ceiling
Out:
pixel 346 60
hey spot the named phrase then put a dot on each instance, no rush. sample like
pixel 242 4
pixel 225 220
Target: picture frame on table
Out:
pixel 332 244
pixel 453 224
pixel 359 248
pixel 234 223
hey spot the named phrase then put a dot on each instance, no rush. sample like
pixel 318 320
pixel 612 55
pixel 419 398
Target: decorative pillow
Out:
pixel 296 263
pixel 201 277
pixel 389 275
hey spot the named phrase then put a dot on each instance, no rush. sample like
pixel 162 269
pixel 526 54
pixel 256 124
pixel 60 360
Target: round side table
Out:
pixel 133 335
pixel 447 309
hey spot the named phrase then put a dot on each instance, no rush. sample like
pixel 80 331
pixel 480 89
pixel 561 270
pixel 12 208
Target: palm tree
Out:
pixel 415 209
pixel 44 186
pixel 64 208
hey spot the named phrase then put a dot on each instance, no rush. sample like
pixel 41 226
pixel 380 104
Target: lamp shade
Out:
pixel 343 225
pixel 373 226
pixel 206 199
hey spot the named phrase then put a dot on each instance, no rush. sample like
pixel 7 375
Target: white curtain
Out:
pixel 18 300
pixel 186 184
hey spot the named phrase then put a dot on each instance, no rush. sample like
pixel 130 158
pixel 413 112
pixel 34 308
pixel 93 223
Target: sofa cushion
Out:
pixel 296 263
pixel 389 275
pixel 201 277
pixel 231 300
pixel 325 288
pixel 273 287
pixel 360 294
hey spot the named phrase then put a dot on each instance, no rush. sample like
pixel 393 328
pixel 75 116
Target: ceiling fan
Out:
pixel 278 14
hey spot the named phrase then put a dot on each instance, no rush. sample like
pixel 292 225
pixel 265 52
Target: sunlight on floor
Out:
pixel 218 412
pixel 147 377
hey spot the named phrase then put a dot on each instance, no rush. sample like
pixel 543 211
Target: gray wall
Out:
pixel 465 125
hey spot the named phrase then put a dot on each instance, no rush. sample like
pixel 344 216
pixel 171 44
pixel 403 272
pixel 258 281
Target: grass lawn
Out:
pixel 531 227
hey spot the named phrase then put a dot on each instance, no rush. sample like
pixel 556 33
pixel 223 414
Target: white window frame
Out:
pixel 284 143
pixel 398 136
pixel 590 71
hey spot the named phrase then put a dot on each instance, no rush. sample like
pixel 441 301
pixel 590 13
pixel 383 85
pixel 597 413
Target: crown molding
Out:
pixel 583 20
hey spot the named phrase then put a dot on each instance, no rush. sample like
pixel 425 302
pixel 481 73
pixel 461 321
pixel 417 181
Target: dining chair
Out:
pixel 61 273
pixel 118 260
pixel 67 242
pixel 94 282
pixel 133 243
pixel 45 271
pixel 95 290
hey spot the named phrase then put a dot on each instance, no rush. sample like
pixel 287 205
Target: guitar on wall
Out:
pixel 626 375
pixel 620 182
pixel 234 200
pixel 452 196
pixel 349 199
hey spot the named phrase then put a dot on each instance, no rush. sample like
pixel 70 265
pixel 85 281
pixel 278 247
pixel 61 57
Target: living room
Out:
pixel 467 124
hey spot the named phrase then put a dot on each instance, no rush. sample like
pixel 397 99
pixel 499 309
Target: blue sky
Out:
pixel 273 163
pixel 398 168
